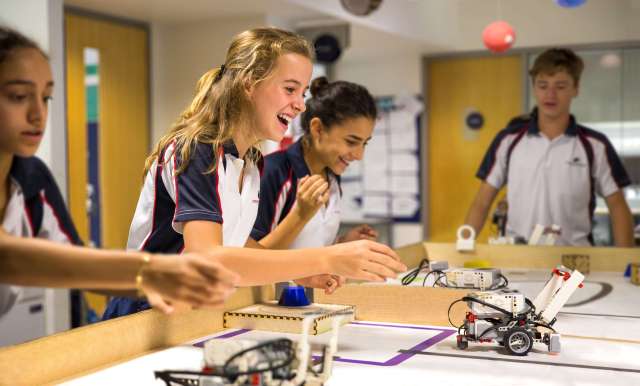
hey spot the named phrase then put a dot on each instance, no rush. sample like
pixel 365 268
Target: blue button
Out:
pixel 293 296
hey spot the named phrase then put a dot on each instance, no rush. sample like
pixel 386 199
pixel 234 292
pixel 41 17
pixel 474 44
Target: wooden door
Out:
pixel 492 86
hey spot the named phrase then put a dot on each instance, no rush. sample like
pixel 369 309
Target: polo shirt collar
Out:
pixel 229 147
pixel 572 129
pixel 295 153
pixel 20 175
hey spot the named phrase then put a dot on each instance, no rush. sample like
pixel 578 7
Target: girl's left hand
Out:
pixel 329 283
pixel 361 232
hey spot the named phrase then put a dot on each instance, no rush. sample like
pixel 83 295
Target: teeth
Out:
pixel 285 117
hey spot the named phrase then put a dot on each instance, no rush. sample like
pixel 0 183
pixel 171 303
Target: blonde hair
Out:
pixel 221 103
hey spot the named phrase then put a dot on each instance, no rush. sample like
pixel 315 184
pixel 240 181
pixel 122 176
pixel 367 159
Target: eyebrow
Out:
pixel 24 82
pixel 297 82
pixel 353 136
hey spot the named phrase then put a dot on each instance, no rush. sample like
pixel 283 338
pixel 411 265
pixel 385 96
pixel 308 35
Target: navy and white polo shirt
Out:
pixel 169 199
pixel 278 190
pixel 552 181
pixel 35 209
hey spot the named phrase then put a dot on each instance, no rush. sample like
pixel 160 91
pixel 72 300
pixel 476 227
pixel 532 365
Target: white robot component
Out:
pixel 502 240
pixel 510 319
pixel 466 243
pixel 247 362
pixel 556 293
pixel 477 278
pixel 542 235
pixel 511 301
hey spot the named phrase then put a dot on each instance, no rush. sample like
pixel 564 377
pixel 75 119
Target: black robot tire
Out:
pixel 518 341
pixel 462 342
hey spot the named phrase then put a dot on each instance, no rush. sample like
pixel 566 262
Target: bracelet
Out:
pixel 146 259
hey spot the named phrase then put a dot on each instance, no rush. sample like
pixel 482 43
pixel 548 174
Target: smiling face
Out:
pixel 26 87
pixel 280 97
pixel 337 146
pixel 554 93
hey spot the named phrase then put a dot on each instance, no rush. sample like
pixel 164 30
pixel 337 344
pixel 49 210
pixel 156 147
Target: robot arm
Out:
pixel 556 293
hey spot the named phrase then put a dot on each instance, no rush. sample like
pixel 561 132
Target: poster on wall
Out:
pixel 387 184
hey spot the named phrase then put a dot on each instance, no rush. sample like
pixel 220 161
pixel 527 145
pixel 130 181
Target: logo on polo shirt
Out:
pixel 576 161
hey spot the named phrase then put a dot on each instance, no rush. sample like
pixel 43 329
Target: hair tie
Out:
pixel 220 73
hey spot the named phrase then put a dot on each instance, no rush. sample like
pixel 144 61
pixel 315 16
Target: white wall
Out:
pixel 181 53
pixel 42 21
pixel 544 23
pixel 385 74
pixel 456 25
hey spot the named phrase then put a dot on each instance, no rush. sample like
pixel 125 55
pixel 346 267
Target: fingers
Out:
pixel 384 249
pixel 379 269
pixel 215 271
pixel 324 198
pixel 158 303
pixel 312 188
pixel 367 232
pixel 389 263
pixel 307 182
pixel 317 189
pixel 368 276
pixel 197 296
pixel 334 282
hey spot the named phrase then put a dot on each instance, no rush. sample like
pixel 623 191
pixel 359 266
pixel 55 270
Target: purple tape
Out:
pixel 401 357
pixel 223 336
pixel 393 361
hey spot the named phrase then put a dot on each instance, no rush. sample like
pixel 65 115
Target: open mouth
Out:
pixel 284 120
pixel 343 162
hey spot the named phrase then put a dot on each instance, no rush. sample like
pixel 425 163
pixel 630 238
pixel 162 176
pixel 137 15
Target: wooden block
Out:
pixel 576 262
pixel 635 273
pixel 272 317
pixel 400 304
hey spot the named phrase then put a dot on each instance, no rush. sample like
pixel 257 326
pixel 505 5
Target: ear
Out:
pixel 249 89
pixel 315 128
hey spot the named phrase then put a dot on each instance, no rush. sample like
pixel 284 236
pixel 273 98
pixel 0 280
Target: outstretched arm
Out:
pixel 621 219
pixel 363 260
pixel 194 279
pixel 479 210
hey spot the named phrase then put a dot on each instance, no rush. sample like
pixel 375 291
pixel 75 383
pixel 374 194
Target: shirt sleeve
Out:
pixel 276 187
pixel 195 190
pixel 493 168
pixel 609 172
pixel 57 224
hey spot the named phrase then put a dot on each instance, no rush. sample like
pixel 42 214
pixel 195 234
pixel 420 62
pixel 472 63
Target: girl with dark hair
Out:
pixel 300 188
pixel 33 214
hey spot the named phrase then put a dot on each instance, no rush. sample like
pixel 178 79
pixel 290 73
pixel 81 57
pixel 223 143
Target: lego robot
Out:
pixel 458 278
pixel 510 319
pixel 274 362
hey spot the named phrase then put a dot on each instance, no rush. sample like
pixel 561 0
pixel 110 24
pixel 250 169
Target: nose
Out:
pixel 299 104
pixel 37 113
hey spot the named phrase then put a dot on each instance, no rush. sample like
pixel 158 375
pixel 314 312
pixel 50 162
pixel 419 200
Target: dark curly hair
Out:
pixel 336 102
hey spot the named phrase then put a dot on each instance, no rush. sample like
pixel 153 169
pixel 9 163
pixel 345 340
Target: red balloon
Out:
pixel 498 36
